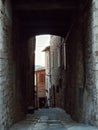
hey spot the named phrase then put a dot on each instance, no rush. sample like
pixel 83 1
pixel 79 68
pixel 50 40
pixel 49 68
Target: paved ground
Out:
pixel 50 119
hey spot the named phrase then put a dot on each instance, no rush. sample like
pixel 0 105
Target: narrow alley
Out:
pixel 50 119
pixel 68 81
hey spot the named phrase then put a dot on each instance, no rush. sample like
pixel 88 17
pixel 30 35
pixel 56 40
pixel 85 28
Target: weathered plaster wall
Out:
pixel 57 69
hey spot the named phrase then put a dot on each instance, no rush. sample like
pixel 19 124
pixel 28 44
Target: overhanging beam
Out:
pixel 44 6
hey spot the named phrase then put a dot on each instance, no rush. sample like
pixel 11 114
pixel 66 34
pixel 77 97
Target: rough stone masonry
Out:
pixel 7 78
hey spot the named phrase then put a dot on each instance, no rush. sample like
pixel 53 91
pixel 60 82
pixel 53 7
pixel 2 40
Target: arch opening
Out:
pixel 73 72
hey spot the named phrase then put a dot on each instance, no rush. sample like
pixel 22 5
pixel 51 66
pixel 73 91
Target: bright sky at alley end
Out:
pixel 41 42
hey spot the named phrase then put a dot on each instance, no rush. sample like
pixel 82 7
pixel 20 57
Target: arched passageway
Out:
pixel 76 22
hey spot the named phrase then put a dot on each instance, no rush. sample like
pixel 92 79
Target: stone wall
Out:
pixel 74 87
pixel 75 72
pixel 13 67
pixel 95 56
pixel 24 55
pixel 81 81
pixel 7 68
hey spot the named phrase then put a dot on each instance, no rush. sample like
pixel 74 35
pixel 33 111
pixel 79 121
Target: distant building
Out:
pixel 47 76
pixel 55 65
pixel 58 71
pixel 40 89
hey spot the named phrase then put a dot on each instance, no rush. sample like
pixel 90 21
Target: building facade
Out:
pixel 40 88
pixel 58 67
pixel 48 73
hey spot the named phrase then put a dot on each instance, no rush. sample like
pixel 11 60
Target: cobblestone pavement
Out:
pixel 50 119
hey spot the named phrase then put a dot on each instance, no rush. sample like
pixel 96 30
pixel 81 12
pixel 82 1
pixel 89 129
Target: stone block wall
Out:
pixel 15 60
pixel 7 68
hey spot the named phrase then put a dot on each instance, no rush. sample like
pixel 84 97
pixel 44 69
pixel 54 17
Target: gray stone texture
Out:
pixel 95 55
pixel 80 75
pixel 80 89
pixel 7 68
pixel 12 62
